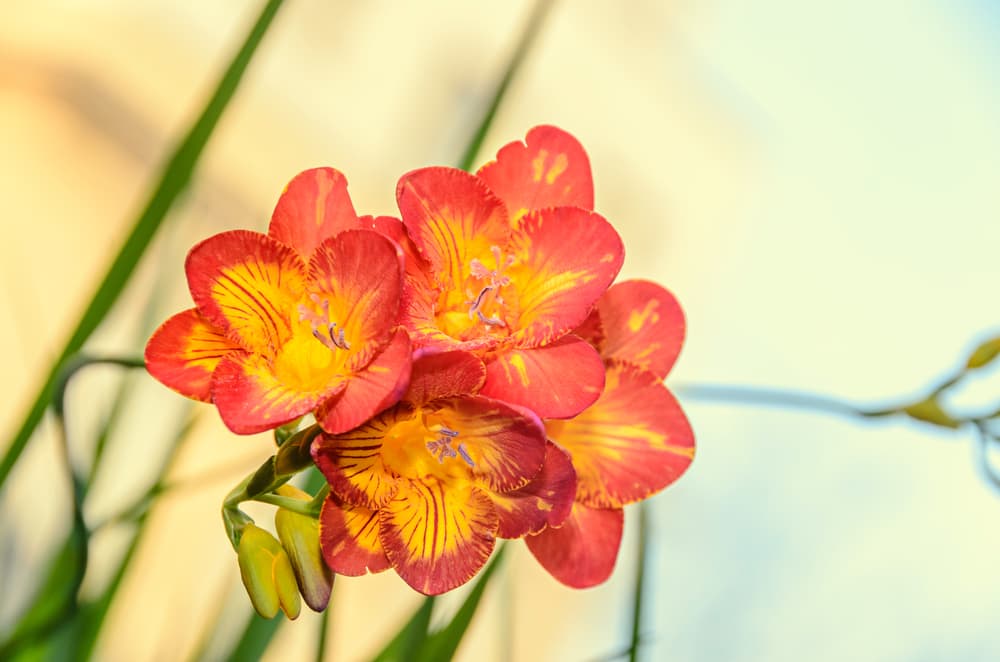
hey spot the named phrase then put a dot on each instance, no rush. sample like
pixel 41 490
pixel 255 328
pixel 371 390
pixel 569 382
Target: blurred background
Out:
pixel 816 181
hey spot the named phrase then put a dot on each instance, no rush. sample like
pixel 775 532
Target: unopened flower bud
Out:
pixel 299 536
pixel 267 574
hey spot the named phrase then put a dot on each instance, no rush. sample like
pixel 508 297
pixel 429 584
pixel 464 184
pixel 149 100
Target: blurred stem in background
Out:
pixel 639 589
pixel 930 409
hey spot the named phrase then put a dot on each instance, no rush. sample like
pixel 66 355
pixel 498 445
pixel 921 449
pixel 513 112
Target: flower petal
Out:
pixel 313 207
pixel 555 381
pixel 348 536
pixel 643 324
pixel 592 329
pixel 545 501
pixel 376 387
pixel 506 445
pixel 446 374
pixel 451 217
pixel 582 552
pixel 549 169
pixel 251 398
pixel 184 351
pixel 357 276
pixel 436 537
pixel 352 462
pixel 247 285
pixel 633 442
pixel 565 259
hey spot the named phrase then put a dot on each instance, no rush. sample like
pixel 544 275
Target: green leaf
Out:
pixel 405 646
pixel 49 607
pixel 255 639
pixel 930 411
pixel 984 354
pixel 412 644
pixel 531 30
pixel 174 179
pixel 442 644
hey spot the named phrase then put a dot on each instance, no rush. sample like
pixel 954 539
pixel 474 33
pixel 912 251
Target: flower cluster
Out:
pixel 473 371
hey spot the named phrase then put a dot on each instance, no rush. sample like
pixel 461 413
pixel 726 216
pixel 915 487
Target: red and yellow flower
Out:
pixel 633 442
pixel 301 319
pixel 506 264
pixel 428 486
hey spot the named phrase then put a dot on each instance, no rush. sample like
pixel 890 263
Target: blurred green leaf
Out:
pixel 255 639
pixel 531 30
pixel 443 644
pixel 930 411
pixel 49 608
pixel 174 179
pixel 408 642
pixel 984 354
pixel 413 644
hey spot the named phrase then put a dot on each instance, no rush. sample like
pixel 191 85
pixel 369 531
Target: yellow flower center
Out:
pixel 479 308
pixel 317 351
pixel 423 444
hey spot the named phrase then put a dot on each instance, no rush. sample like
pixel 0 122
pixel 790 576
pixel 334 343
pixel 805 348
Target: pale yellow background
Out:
pixel 817 182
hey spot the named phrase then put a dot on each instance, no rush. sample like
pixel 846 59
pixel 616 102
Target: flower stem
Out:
pixel 289 503
pixel 638 591
pixel 324 631
pixel 768 397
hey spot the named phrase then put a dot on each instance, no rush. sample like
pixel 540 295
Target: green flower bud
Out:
pixel 299 536
pixel 267 574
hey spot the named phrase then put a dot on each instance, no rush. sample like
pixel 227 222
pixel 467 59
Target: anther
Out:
pixel 465 455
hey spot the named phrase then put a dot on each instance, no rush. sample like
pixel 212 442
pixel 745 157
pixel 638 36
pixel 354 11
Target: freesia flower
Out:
pixel 301 319
pixel 633 442
pixel 427 486
pixel 506 264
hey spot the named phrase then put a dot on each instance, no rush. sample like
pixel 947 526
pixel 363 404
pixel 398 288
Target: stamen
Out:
pixel 478 270
pixel 492 321
pixel 465 455
pixel 474 308
pixel 497 280
pixel 441 447
pixel 323 329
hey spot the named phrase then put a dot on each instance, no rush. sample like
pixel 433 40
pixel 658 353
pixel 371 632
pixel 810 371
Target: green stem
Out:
pixel 752 395
pixel 176 175
pixel 639 589
pixel 532 28
pixel 324 631
pixel 289 503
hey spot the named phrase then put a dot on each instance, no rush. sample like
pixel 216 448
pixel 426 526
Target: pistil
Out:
pixel 323 328
pixel 442 448
pixel 490 292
